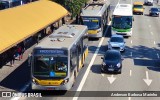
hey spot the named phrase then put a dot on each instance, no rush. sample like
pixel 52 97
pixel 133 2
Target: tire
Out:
pixel 102 71
pixel 142 14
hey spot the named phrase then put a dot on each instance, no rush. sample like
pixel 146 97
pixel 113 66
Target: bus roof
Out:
pixel 138 3
pixel 21 22
pixel 64 37
pixel 94 9
pixel 123 9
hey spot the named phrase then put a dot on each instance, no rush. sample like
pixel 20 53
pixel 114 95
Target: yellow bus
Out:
pixel 56 61
pixel 96 16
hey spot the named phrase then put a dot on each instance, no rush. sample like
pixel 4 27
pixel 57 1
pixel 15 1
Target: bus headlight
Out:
pixel 34 81
pixel 99 30
pixel 65 81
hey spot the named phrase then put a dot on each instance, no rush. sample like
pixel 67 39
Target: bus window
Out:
pixel 122 22
pixel 92 23
pixel 44 65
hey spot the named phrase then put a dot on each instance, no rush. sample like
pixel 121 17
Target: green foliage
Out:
pixel 74 6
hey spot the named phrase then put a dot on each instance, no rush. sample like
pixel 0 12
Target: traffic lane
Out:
pixel 155 30
pixel 154 70
pixel 145 50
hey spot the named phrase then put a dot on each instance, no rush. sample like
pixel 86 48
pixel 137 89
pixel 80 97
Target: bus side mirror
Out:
pixel 29 59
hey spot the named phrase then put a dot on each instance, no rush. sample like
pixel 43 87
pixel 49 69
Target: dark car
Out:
pixel 112 61
pixel 154 12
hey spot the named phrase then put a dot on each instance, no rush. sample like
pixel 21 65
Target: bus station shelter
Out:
pixel 21 22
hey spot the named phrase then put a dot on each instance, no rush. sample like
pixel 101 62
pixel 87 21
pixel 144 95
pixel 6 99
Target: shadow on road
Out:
pixel 18 78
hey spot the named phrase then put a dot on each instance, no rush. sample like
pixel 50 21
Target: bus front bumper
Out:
pixel 95 33
pixel 40 87
pixel 122 33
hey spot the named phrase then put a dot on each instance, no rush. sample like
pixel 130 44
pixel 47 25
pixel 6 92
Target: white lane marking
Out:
pixel 102 75
pixel 149 25
pixel 131 41
pixel 23 89
pixel 151 33
pixel 154 42
pixel 147 80
pixel 111 79
pixel 130 72
pixel 147 77
pixel 129 98
pixel 89 66
pixel 157 55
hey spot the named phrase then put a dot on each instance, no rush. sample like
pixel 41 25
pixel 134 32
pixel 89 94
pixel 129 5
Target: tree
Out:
pixel 74 6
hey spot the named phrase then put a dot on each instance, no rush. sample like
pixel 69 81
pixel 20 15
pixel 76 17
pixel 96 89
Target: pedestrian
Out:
pixel 22 45
pixel 19 50
pixel 11 56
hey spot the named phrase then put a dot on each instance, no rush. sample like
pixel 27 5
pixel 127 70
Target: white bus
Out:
pixel 122 20
pixel 56 61
pixel 96 16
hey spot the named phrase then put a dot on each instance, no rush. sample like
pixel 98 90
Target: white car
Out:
pixel 148 2
pixel 116 42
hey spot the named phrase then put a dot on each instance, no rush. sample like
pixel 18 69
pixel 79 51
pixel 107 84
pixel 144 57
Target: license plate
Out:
pixel 50 89
pixel 111 69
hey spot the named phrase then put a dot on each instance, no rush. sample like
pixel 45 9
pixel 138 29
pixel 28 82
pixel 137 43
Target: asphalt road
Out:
pixel 141 61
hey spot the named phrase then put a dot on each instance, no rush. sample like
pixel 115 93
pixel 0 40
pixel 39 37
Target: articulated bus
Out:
pixel 96 15
pixel 122 20
pixel 56 61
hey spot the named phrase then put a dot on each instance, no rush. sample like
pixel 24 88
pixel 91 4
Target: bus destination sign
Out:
pixel 50 51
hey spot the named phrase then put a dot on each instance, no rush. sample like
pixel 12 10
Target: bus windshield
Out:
pixel 138 6
pixel 92 23
pixel 4 5
pixel 122 22
pixel 50 66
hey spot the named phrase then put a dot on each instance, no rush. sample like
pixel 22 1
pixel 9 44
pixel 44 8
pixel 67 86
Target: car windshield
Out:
pixel 112 56
pixel 92 23
pixel 138 6
pixel 122 22
pixel 116 39
pixel 154 9
pixel 50 66
pixel 4 5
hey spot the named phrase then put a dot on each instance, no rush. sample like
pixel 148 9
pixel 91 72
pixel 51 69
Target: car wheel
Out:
pixel 142 13
pixel 102 71
pixel 124 50
pixel 120 70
